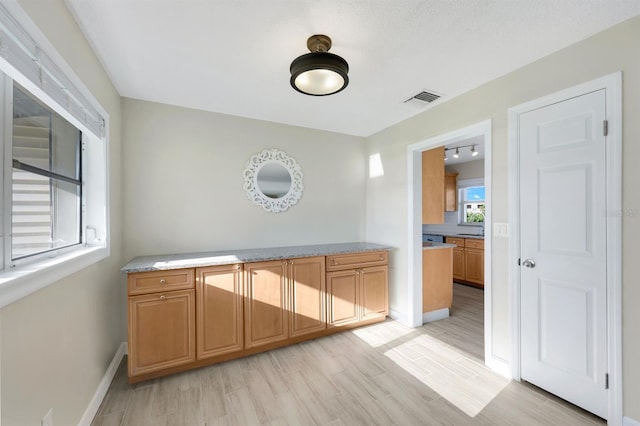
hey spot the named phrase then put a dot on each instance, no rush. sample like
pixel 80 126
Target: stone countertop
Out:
pixel 431 245
pixel 477 237
pixel 226 257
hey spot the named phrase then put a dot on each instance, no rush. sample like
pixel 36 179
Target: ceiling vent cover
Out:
pixel 424 97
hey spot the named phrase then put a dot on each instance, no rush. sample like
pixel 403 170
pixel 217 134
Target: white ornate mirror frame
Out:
pixel 255 187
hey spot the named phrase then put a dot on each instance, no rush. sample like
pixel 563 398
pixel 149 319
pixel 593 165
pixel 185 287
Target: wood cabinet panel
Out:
pixel 159 281
pixel 451 192
pixel 161 331
pixel 468 260
pixel 437 280
pixel 219 310
pixel 374 298
pixel 356 260
pixel 458 269
pixel 307 296
pixel 343 297
pixel 474 265
pixel 433 186
pixel 265 307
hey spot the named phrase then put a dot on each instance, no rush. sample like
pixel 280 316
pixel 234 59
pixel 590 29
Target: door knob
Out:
pixel 529 263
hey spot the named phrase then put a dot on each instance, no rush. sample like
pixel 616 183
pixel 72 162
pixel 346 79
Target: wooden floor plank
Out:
pixel 381 374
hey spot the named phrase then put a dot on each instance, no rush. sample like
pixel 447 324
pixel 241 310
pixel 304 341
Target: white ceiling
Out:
pixel 233 56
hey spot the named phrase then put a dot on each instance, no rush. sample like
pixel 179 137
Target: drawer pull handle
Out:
pixel 163 281
pixel 163 297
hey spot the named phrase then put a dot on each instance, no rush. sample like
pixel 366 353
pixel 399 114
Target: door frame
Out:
pixel 414 234
pixel 613 104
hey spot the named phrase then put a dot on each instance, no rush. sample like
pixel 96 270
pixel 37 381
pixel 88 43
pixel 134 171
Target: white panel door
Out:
pixel 563 249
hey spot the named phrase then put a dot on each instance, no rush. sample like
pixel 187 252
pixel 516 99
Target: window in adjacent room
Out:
pixel 472 207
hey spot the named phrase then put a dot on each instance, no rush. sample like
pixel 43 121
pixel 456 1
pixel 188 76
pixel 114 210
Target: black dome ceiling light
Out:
pixel 319 73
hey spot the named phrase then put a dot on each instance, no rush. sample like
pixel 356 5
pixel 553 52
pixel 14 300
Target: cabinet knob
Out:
pixel 163 297
pixel 381 257
pixel 335 262
pixel 163 281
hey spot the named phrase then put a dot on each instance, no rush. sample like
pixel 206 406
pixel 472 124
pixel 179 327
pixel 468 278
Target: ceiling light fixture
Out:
pixel 456 154
pixel 319 73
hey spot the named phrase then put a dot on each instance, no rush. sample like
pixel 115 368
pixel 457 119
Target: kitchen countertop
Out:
pixel 431 245
pixel 477 237
pixel 226 257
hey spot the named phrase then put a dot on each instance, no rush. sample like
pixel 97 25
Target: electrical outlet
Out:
pixel 47 420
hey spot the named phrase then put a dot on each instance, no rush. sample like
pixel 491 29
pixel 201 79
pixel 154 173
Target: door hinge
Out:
pixel 606 381
pixel 518 261
pixel 605 127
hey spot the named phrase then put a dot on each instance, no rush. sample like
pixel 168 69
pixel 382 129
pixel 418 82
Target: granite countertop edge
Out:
pixel 227 257
pixel 477 237
pixel 435 246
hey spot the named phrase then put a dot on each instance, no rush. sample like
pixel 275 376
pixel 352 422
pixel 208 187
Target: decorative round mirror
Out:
pixel 273 180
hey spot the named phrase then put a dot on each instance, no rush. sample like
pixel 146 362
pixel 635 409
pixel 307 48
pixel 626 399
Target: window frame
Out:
pixel 32 274
pixel 462 186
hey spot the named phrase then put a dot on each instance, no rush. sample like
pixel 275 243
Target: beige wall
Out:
pixel 617 49
pixel 57 343
pixel 183 170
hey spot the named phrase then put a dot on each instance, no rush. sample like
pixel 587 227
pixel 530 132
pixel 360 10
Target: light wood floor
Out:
pixel 378 375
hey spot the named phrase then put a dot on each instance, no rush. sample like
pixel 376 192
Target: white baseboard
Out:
pixel 435 315
pixel 103 387
pixel 400 317
pixel 628 421
pixel 500 366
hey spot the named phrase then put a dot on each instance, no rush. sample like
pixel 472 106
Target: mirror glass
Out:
pixel 274 180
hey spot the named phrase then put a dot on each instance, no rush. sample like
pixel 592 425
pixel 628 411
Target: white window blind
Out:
pixel 20 51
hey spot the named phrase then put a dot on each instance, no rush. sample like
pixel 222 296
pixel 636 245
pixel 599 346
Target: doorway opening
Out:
pixel 480 131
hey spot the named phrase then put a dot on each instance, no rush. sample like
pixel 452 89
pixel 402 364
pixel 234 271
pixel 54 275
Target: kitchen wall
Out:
pixel 468 170
pixel 183 170
pixel 616 49
pixel 57 343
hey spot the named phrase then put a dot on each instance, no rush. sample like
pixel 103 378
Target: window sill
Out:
pixel 29 278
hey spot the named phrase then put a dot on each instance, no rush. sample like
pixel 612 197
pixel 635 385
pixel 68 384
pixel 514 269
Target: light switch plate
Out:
pixel 500 229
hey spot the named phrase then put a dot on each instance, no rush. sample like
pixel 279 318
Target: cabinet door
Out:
pixel 433 186
pixel 342 298
pixel 161 331
pixel 219 310
pixel 474 263
pixel 307 295
pixel 459 264
pixel 451 192
pixel 265 304
pixel 374 292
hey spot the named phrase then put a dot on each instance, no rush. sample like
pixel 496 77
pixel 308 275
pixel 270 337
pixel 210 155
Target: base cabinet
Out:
pixel 219 308
pixel 161 331
pixel 187 318
pixel 356 289
pixel 468 260
pixel 285 299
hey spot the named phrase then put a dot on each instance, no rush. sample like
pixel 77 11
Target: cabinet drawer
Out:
pixel 356 260
pixel 474 243
pixel 454 240
pixel 160 281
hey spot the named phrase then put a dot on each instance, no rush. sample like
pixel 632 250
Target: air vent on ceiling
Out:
pixel 424 97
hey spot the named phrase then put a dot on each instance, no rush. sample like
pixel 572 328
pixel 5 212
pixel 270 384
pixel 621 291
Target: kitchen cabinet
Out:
pixel 219 308
pixel 437 288
pixel 357 288
pixel 283 299
pixel 433 183
pixel 185 318
pixel 450 192
pixel 161 326
pixel 468 260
